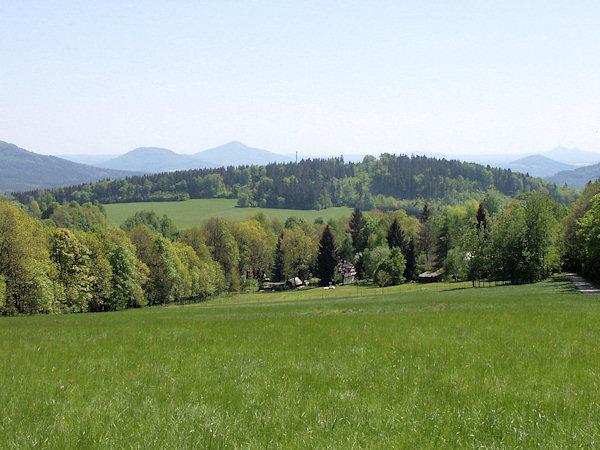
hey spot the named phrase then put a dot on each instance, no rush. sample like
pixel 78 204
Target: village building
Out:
pixel 347 271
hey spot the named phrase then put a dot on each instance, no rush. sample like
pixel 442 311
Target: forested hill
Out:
pixel 315 184
pixel 22 170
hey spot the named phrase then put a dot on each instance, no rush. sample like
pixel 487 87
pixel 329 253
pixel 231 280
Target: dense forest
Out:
pixel 68 257
pixel 385 183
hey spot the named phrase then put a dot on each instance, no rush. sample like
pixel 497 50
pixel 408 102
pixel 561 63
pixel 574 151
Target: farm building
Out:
pixel 292 283
pixel 347 271
pixel 430 277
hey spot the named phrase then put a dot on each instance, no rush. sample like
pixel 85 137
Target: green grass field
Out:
pixel 194 212
pixel 415 366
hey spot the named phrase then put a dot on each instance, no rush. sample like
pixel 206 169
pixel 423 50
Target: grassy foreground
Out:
pixel 194 212
pixel 436 365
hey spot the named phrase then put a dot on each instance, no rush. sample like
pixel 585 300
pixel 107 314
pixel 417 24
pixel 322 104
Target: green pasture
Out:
pixel 412 366
pixel 194 212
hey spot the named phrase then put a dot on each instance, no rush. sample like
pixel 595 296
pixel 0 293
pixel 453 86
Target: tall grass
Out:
pixel 412 366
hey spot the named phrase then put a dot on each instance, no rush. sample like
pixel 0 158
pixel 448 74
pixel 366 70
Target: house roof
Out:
pixel 428 274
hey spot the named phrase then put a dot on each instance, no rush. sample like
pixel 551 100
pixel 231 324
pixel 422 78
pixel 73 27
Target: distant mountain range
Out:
pixel 154 160
pixel 544 165
pixel 574 156
pixel 237 154
pixel 571 156
pixel 576 178
pixel 22 170
pixel 538 166
pixel 87 159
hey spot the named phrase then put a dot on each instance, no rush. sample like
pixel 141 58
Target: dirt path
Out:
pixel 585 287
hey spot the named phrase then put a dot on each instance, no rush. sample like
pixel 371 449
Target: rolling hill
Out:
pixel 575 156
pixel 22 170
pixel 538 166
pixel 237 154
pixel 86 159
pixel 155 160
pixel 576 178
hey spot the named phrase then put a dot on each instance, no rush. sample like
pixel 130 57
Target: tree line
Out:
pixel 70 258
pixel 389 182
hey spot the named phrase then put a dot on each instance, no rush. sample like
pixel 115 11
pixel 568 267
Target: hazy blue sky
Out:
pixel 320 77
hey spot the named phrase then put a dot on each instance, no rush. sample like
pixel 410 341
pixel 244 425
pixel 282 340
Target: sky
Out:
pixel 317 77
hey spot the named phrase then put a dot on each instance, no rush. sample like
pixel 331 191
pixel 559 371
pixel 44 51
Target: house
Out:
pixel 292 283
pixel 295 283
pixel 347 271
pixel 430 277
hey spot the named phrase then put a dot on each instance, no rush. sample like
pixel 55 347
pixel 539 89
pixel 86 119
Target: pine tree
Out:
pixel 425 213
pixel 395 236
pixel 277 273
pixel 482 218
pixel 411 260
pixel 357 222
pixel 326 258
pixel 426 235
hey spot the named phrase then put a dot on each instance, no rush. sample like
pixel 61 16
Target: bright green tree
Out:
pixel 126 279
pixel 75 279
pixel 589 234
pixel 24 263
pixel 224 250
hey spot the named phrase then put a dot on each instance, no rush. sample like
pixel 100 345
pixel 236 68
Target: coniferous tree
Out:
pixel 425 213
pixel 357 222
pixel 442 243
pixel 326 258
pixel 482 218
pixel 277 273
pixel 426 235
pixel 395 236
pixel 410 271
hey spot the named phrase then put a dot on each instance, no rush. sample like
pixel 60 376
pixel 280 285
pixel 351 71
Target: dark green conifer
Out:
pixel 277 273
pixel 357 222
pixel 395 236
pixel 326 258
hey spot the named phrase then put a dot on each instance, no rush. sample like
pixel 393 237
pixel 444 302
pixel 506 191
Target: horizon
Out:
pixel 441 154
pixel 485 79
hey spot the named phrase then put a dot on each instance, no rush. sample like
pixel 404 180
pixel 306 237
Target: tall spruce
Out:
pixel 326 258
pixel 427 236
pixel 277 272
pixel 482 218
pixel 395 236
pixel 425 213
pixel 410 271
pixel 357 222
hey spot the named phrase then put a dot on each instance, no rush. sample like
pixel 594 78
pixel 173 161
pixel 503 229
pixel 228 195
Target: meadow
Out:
pixel 410 366
pixel 193 212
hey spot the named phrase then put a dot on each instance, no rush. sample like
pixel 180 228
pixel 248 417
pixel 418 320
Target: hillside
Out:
pixel 323 183
pixel 575 156
pixel 22 170
pixel 415 366
pixel 237 154
pixel 154 160
pixel 576 178
pixel 538 166
pixel 81 158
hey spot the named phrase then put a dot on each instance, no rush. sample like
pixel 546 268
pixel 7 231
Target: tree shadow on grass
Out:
pixel 476 287
pixel 562 285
